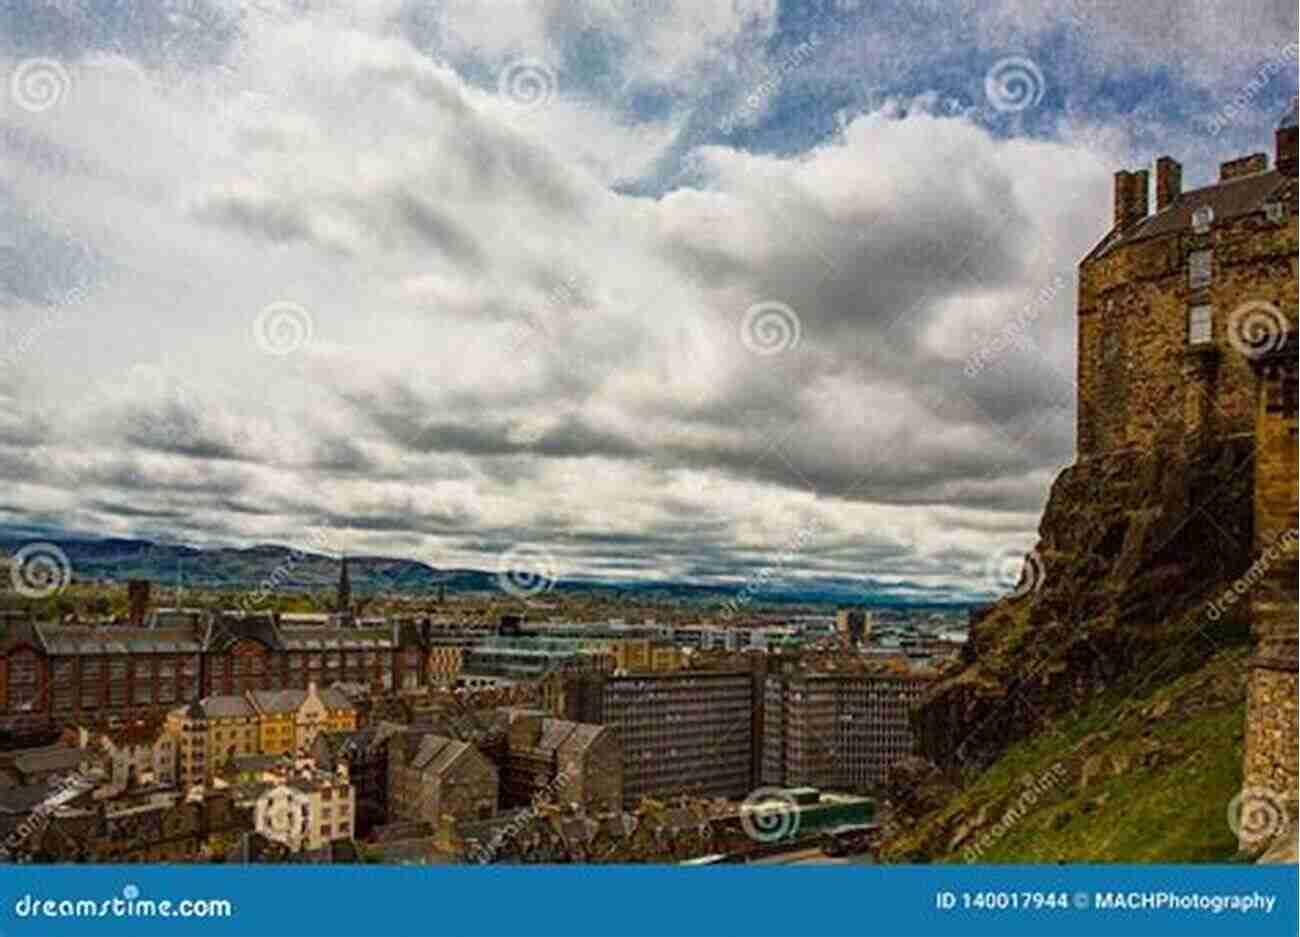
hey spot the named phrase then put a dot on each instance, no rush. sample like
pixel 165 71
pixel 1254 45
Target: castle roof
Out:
pixel 1228 199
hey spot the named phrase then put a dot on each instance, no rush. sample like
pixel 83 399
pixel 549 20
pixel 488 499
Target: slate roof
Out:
pixel 226 707
pixel 1231 199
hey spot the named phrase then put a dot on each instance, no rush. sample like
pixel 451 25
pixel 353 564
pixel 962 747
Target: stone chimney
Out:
pixel 1130 197
pixel 1285 142
pixel 1169 181
pixel 1243 166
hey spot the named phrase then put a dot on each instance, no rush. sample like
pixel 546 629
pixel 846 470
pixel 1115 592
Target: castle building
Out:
pixel 1272 727
pixel 1175 303
pixel 1187 336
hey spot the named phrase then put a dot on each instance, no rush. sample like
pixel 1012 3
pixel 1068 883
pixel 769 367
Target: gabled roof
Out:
pixel 226 707
pixel 1231 199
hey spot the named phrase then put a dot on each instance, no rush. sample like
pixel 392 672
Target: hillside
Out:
pixel 1122 779
pixel 1107 662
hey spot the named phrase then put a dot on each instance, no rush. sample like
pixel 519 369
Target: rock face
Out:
pixel 1133 547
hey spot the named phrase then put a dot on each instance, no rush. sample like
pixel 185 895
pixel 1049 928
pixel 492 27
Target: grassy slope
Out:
pixel 1146 779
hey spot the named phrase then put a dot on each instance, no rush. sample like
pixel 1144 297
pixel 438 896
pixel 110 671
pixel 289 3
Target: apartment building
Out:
pixel 838 731
pixel 214 730
pixel 686 733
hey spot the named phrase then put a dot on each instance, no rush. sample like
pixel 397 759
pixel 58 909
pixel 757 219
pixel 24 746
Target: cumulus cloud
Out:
pixel 328 272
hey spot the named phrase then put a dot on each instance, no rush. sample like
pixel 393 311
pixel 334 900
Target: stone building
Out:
pixel 1173 303
pixel 431 777
pixel 140 752
pixel 565 762
pixel 1272 729
pixel 364 755
pixel 1187 338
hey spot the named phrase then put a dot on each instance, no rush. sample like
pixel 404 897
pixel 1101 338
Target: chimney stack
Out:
pixel 1169 181
pixel 1130 197
pixel 1243 166
pixel 1285 142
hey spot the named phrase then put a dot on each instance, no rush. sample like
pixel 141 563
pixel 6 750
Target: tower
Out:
pixel 1269 772
pixel 344 598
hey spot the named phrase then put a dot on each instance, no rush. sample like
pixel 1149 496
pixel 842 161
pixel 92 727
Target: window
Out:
pixel 1199 268
pixel 1200 325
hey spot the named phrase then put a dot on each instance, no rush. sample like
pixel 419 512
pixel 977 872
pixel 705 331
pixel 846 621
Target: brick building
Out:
pixel 840 731
pixel 54 675
pixel 1173 303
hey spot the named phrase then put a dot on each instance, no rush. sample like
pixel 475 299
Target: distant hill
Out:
pixel 290 570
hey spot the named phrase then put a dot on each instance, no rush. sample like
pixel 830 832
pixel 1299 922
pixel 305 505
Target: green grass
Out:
pixel 1159 771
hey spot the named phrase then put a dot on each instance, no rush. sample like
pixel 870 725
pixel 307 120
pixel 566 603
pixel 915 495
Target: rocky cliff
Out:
pixel 1113 657
pixel 1133 548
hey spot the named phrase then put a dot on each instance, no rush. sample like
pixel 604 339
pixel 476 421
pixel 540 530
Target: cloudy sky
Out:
pixel 648 288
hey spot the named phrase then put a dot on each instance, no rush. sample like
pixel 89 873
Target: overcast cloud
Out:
pixel 632 283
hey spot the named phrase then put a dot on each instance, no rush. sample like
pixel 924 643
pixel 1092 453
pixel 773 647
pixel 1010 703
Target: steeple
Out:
pixel 344 600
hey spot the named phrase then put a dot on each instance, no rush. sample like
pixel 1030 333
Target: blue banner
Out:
pixel 648 901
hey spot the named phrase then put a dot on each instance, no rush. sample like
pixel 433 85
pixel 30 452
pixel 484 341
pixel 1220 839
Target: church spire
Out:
pixel 344 600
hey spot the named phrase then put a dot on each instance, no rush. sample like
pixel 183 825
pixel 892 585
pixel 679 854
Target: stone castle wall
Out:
pixel 1134 371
